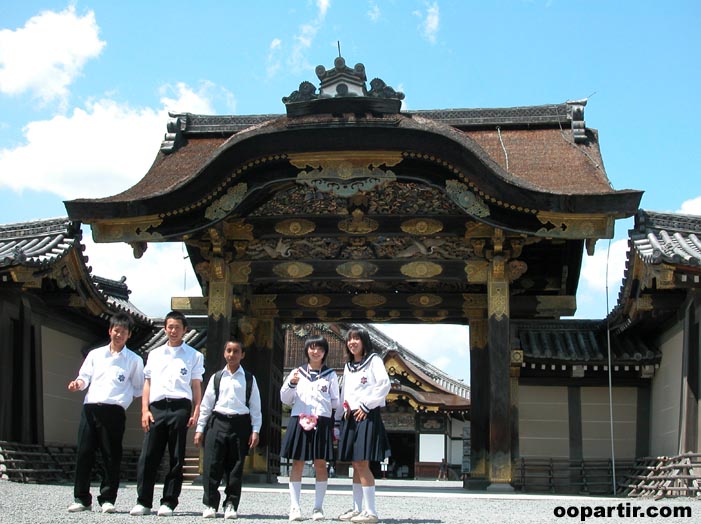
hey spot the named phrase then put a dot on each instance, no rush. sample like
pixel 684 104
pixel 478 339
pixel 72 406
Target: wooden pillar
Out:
pixel 479 406
pixel 499 345
pixel 218 316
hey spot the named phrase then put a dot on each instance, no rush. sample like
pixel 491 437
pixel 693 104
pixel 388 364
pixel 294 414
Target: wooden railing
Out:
pixel 660 477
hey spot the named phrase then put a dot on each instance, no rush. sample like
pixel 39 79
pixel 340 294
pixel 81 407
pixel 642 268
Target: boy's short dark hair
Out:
pixel 176 315
pixel 122 320
pixel 234 341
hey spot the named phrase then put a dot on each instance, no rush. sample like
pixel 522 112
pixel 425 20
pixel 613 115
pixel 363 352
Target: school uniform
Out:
pixel 171 371
pixel 316 393
pixel 365 386
pixel 229 419
pixel 112 381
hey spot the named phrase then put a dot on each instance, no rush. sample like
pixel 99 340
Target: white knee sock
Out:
pixel 357 497
pixel 319 493
pixel 295 494
pixel 369 499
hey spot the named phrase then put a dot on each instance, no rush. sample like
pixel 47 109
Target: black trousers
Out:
pixel 225 450
pixel 101 427
pixel 169 428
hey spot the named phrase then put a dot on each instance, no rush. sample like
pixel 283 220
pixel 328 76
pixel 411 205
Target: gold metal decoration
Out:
pixel 313 301
pixel 421 269
pixel 219 303
pixel 475 229
pixel 345 173
pixel 422 226
pixel 238 229
pixel 644 303
pixel 240 271
pixel 466 199
pixel 368 300
pixel 424 300
pixel 358 224
pixel 498 297
pixel 516 357
pixel 293 270
pixel 127 230
pixel 580 226
pixel 357 270
pixel 477 271
pixel 295 227
pixel 189 305
pixel 227 202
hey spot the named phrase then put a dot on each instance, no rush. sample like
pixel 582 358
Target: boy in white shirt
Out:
pixel 169 406
pixel 113 375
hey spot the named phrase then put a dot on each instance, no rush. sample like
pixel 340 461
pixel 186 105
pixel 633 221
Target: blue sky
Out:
pixel 85 88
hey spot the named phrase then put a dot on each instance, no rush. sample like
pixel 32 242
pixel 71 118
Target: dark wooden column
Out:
pixel 218 316
pixel 499 344
pixel 479 406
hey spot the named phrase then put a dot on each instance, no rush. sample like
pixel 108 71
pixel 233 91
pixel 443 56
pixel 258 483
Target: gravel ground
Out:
pixel 398 502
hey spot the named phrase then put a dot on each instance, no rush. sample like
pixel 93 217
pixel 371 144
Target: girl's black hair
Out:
pixel 316 340
pixel 364 337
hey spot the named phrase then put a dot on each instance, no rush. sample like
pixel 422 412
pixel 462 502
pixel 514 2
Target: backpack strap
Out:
pixel 249 385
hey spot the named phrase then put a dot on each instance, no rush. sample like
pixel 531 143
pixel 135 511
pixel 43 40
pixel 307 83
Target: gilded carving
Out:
pixel 219 303
pixel 128 230
pixel 477 229
pixel 477 271
pixel 421 269
pixel 358 224
pixel 466 199
pixel 227 202
pixel 293 270
pixel 424 300
pixel 644 303
pixel 498 299
pixel 345 173
pixel 516 357
pixel 357 270
pixel 561 225
pixel 422 226
pixel 515 269
pixel 368 300
pixel 295 227
pixel 313 301
pixel 240 271
pixel 237 229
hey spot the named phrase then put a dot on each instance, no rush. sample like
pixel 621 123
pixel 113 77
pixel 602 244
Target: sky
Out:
pixel 86 87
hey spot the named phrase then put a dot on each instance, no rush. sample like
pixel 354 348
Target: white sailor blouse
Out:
pixel 365 384
pixel 316 393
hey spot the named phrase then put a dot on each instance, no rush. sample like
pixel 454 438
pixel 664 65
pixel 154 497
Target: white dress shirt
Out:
pixel 232 399
pixel 172 370
pixel 314 394
pixel 112 378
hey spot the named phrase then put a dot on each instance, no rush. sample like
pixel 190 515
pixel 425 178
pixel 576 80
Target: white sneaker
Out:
pixel 79 506
pixel 107 507
pixel 317 514
pixel 230 512
pixel 165 511
pixel 140 510
pixel 365 517
pixel 349 514
pixel 295 515
pixel 209 513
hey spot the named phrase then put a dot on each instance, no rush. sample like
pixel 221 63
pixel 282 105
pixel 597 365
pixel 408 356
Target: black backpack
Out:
pixel 217 381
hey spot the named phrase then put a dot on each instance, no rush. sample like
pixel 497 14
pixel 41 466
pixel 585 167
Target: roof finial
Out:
pixel 339 47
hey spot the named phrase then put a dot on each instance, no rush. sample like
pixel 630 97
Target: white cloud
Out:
pixel 99 150
pixel 160 273
pixel 273 60
pixel 46 55
pixel 429 22
pixel 691 207
pixel 374 12
pixel 304 38
pixel 446 346
pixel 594 267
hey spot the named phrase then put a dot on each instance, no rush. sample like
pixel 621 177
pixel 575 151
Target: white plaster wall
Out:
pixel 666 395
pixel 596 422
pixel 543 419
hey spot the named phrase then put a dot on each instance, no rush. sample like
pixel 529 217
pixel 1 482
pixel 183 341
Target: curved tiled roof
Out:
pixel 195 337
pixel 581 342
pixel 38 243
pixel 667 238
pixel 42 243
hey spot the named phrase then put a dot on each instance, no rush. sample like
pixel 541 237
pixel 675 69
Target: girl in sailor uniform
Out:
pixel 362 437
pixel 312 391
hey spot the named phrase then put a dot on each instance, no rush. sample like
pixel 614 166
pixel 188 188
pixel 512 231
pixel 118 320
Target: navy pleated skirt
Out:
pixel 314 444
pixel 364 440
